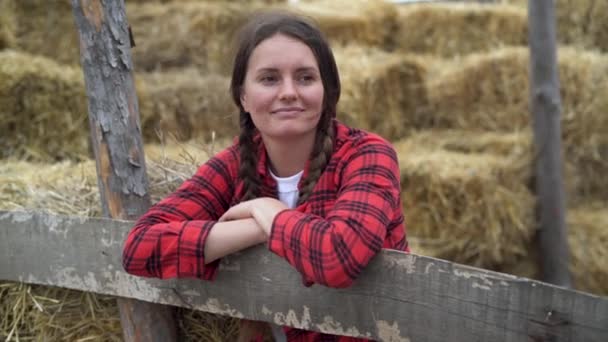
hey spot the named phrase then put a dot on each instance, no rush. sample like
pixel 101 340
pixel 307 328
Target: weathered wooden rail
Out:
pixel 399 297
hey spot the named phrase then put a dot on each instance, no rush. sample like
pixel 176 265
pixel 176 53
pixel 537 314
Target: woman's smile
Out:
pixel 288 111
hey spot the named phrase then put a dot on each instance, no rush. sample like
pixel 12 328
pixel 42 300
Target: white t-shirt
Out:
pixel 287 188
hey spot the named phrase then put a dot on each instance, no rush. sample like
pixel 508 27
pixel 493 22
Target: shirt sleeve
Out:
pixel 333 251
pixel 168 241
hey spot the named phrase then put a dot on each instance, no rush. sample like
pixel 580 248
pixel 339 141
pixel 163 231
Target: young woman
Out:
pixel 323 196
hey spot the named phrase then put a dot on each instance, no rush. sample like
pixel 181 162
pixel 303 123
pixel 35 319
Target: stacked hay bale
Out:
pixel 43 108
pixel 587 239
pixel 465 195
pixel 189 34
pixel 451 30
pixel 368 23
pixel 367 76
pixel 186 104
pixel 491 92
pixel 583 23
pixel 467 198
pixel 7 25
pixel 180 34
pixel 47 28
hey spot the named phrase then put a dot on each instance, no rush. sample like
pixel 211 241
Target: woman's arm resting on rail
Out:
pixel 333 250
pixel 170 239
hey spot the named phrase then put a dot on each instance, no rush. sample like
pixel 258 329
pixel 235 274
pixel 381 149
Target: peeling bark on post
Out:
pixel 546 107
pixel 116 139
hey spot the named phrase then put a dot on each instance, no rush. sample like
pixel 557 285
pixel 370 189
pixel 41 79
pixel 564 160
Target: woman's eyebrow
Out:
pixel 272 69
pixel 307 68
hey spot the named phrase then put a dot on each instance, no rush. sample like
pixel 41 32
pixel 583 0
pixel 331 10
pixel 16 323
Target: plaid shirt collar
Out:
pixel 269 183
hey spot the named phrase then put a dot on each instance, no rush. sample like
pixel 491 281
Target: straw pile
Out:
pixel 186 105
pixel 466 195
pixel 46 313
pixel 587 238
pixel 491 92
pixel 7 24
pixel 30 312
pixel 367 76
pixel 346 22
pixel 450 30
pixel 47 28
pixel 43 108
pixel 175 35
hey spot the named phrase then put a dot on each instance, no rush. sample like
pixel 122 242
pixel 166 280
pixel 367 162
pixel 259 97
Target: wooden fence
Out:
pixel 399 297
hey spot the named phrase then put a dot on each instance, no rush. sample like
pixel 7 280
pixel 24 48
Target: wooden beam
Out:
pixel 399 297
pixel 546 106
pixel 105 54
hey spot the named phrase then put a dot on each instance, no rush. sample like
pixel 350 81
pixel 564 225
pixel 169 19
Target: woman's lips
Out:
pixel 288 111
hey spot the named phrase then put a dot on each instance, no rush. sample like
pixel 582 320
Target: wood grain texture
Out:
pixel 105 55
pixel 399 297
pixel 545 104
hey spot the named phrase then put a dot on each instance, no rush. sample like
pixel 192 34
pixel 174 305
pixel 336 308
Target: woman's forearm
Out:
pixel 231 236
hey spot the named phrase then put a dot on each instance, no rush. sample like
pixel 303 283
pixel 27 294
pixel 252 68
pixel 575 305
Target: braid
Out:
pixel 248 165
pixel 322 151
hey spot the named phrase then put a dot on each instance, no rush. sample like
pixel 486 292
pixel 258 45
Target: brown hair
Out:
pixel 261 27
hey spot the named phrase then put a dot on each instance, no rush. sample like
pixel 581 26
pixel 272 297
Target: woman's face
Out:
pixel 283 90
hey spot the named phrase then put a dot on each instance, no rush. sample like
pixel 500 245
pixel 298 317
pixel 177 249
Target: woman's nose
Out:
pixel 288 90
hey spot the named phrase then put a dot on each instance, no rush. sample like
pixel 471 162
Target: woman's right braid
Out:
pixel 248 167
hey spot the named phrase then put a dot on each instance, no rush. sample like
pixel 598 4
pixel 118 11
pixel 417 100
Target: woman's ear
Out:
pixel 243 99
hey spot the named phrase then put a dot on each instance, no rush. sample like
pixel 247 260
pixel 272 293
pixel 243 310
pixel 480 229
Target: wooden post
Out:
pixel 545 105
pixel 116 139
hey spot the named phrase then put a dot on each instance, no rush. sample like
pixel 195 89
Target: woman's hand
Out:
pixel 262 210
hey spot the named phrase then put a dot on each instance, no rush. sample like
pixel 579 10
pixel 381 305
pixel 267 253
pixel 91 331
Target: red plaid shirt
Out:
pixel 353 212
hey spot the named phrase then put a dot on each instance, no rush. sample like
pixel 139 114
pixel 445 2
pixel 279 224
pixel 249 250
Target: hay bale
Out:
pixel 467 204
pixel 450 30
pixel 186 105
pixel 47 28
pixel 180 34
pixel 347 22
pixel 43 108
pixel 507 145
pixel 491 92
pixel 7 24
pixel 70 188
pixel 582 23
pixel 587 239
pixel 483 91
pixel 175 35
pixel 381 92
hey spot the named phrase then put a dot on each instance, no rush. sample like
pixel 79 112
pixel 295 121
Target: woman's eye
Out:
pixel 306 79
pixel 269 79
